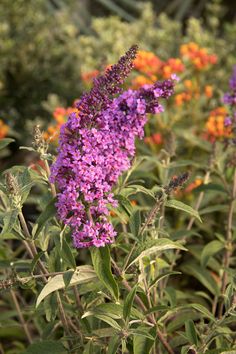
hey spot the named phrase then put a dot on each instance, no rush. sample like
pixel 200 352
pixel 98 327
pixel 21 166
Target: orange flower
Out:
pixel 60 115
pixel 192 92
pixel 215 124
pixel 3 129
pixel 89 76
pixel 155 139
pixel 172 66
pixel 199 57
pixel 208 90
pixel 179 99
pixel 193 185
pixel 142 80
pixel 184 97
pixel 147 63
pixel 188 84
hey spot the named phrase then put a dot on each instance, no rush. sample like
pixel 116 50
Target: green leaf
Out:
pixel 191 333
pixel 142 344
pixel 67 276
pixel 108 309
pixel 203 310
pixel 210 187
pixel 182 163
pixel 157 309
pixel 5 142
pixel 124 203
pixel 150 247
pixel 171 295
pixel 162 276
pixel 35 261
pixel 46 215
pixel 183 234
pixel 102 264
pixel 180 319
pixel 137 188
pixel 143 332
pixel 50 306
pixel 27 148
pixel 104 318
pixel 9 221
pixel 113 345
pixel 213 208
pixel 65 250
pixel 134 222
pixel 194 140
pixel 203 276
pixel 83 274
pixel 26 184
pixel 46 347
pixel 176 204
pixel 129 303
pixel 89 348
pixel 105 332
pixel 209 250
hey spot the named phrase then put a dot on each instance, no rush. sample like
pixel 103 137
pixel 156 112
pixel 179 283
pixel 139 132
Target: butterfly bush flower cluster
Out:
pixel 230 100
pixel 96 145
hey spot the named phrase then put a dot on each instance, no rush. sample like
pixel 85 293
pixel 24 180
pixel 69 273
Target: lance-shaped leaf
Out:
pixel 176 204
pixel 209 250
pixel 9 221
pixel 128 303
pixel 191 333
pixel 5 142
pixel 102 264
pixel 48 213
pixel 150 247
pixel 106 318
pixel 83 274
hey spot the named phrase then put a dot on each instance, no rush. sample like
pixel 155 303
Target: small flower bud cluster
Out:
pixel 96 145
pixel 39 142
pixel 13 190
pixel 177 182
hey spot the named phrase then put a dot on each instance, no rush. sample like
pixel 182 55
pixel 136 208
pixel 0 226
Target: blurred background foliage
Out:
pixel 45 44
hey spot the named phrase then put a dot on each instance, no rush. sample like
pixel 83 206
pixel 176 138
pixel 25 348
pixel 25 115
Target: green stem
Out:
pixel 52 186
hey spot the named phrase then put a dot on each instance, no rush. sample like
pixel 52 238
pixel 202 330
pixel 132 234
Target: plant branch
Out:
pixel 52 186
pixel 21 317
pixel 140 303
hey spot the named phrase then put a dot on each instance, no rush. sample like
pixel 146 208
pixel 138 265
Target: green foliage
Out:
pixel 167 283
pixel 38 54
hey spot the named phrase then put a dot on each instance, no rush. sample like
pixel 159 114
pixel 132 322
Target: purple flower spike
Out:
pixel 230 100
pixel 230 97
pixel 96 145
pixel 232 82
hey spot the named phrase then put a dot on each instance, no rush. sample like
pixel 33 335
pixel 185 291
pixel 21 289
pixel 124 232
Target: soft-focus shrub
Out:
pixel 39 56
